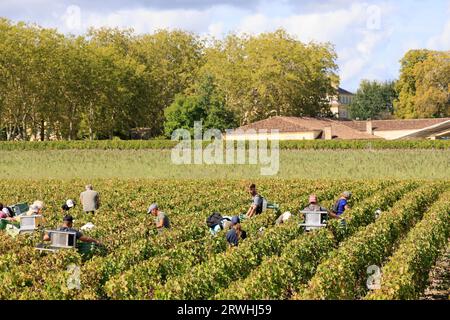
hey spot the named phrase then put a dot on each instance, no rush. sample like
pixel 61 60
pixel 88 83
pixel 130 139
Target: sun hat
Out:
pixel 38 204
pixel 235 220
pixel 70 203
pixel 152 207
pixel 286 216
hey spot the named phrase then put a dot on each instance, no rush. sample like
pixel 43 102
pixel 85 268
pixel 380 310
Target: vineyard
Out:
pixel 273 262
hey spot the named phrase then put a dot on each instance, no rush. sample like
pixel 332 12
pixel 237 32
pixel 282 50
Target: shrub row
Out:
pixel 205 279
pixel 405 275
pixel 168 144
pixel 277 277
pixel 137 282
pixel 342 274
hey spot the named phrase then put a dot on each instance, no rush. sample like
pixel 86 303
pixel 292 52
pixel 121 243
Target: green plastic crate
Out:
pixel 20 208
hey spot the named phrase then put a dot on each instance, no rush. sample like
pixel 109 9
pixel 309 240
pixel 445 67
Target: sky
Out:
pixel 370 36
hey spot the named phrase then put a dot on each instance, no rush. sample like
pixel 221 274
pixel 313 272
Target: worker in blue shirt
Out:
pixel 341 205
pixel 236 233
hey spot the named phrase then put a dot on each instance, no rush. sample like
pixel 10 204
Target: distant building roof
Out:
pixel 339 129
pixel 343 91
pixel 389 125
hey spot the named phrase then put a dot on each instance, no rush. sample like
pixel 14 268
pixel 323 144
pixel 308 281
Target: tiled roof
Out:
pixel 341 131
pixel 387 125
pixel 286 124
pixel 305 124
pixel 343 91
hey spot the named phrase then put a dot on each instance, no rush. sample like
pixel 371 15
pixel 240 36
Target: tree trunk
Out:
pixel 91 118
pixel 70 129
pixel 42 132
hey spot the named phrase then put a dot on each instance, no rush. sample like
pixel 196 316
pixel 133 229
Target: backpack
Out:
pixel 336 206
pixel 260 208
pixel 213 220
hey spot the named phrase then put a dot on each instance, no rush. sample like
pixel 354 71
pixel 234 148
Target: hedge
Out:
pixel 168 144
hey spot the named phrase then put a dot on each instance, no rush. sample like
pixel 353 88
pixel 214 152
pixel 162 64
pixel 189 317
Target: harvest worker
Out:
pixel 90 200
pixel 161 219
pixel 69 204
pixel 257 202
pixel 68 227
pixel 236 233
pixel 341 205
pixel 36 208
pixel 216 222
pixel 314 206
pixel 3 213
pixel 283 218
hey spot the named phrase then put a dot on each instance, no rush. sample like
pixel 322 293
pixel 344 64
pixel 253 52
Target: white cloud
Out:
pixel 357 31
pixel 143 20
pixel 349 28
pixel 216 29
pixel 72 18
pixel 442 40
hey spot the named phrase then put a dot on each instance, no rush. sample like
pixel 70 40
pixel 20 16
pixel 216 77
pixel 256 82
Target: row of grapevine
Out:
pixel 186 262
pixel 133 285
pixel 98 270
pixel 206 279
pixel 277 277
pixel 139 281
pixel 342 274
pixel 405 275
pixel 137 257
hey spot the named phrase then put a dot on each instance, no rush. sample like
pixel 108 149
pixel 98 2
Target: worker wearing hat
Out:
pixel 69 204
pixel 341 205
pixel 161 219
pixel 313 205
pixel 5 212
pixel 68 227
pixel 36 209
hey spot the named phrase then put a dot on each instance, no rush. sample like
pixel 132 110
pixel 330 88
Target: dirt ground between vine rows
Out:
pixel 439 281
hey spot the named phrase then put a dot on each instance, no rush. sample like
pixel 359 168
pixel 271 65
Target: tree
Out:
pixel 172 60
pixel 205 104
pixel 423 87
pixel 432 97
pixel 107 81
pixel 272 74
pixel 373 100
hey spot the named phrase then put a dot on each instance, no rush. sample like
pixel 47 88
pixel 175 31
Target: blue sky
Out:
pixel 370 36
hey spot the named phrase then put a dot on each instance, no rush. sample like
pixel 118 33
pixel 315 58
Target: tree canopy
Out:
pixel 424 85
pixel 107 81
pixel 104 83
pixel 373 100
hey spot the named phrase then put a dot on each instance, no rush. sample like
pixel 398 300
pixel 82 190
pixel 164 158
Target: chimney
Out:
pixel 369 128
pixel 327 133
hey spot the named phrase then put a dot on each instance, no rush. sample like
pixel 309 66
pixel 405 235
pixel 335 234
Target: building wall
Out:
pixel 345 99
pixel 393 134
pixel 312 135
pixel 339 110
